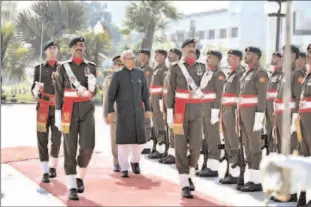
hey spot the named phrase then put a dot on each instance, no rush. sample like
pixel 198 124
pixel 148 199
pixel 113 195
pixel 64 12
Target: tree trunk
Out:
pixel 148 39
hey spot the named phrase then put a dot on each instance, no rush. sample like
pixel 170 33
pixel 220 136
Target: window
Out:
pixel 201 35
pixel 222 33
pixel 211 34
pixel 234 32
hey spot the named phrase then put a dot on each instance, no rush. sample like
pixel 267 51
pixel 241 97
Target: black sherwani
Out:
pixel 128 88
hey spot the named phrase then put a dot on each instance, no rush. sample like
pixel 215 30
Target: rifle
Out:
pixel 264 138
pixel 222 146
pixel 275 134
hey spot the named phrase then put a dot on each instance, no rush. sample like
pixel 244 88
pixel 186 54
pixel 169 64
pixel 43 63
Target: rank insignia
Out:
pixel 262 79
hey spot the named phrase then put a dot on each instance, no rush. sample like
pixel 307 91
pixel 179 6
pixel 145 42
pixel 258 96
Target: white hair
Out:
pixel 127 54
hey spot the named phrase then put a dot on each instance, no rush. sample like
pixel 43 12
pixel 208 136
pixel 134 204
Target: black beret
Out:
pixel 277 54
pixel 255 50
pixel 163 52
pixel 145 51
pixel 309 48
pixel 294 49
pixel 177 52
pixel 188 41
pixel 48 44
pixel 236 53
pixel 75 40
pixel 215 53
pixel 197 53
pixel 302 54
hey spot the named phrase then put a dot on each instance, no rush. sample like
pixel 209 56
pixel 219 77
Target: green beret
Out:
pixel 145 51
pixel 294 49
pixel 302 54
pixel 75 40
pixel 187 42
pixel 236 53
pixel 163 52
pixel 277 54
pixel 177 52
pixel 215 53
pixel 255 50
pixel 48 44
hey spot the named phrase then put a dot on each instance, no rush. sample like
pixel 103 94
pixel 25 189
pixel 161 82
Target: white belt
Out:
pixel 229 100
pixel 305 105
pixel 272 94
pixel 155 90
pixel 281 106
pixel 248 100
pixel 70 94
pixel 190 96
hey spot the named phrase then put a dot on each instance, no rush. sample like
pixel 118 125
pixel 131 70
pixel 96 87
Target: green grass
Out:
pixel 27 98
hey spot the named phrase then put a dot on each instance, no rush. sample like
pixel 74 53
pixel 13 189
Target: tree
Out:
pixel 147 17
pixel 56 18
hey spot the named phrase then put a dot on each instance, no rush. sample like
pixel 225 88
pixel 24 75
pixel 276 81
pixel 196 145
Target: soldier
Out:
pixel 144 56
pixel 156 96
pixel 252 104
pixel 214 85
pixel 229 106
pixel 174 56
pixel 43 89
pixel 301 62
pixel 185 113
pixel 75 87
pixel 276 62
pixel 117 65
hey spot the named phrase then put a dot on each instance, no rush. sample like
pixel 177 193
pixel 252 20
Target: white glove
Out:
pixel 293 126
pixel 91 82
pixel 58 119
pixel 170 118
pixel 215 116
pixel 271 167
pixel 258 122
pixel 161 105
pixel 36 89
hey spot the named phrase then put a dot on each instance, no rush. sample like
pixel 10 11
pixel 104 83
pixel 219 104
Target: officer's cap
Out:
pixel 309 48
pixel 302 54
pixel 197 53
pixel 145 51
pixel 75 40
pixel 255 50
pixel 236 53
pixel 177 52
pixel 117 59
pixel 163 52
pixel 187 42
pixel 48 44
pixel 294 49
pixel 278 54
pixel 215 53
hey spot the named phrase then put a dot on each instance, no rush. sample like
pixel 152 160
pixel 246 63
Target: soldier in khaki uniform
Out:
pixel 301 62
pixel 174 56
pixel 252 106
pixel 276 62
pixel 229 106
pixel 144 56
pixel 156 96
pixel 117 65
pixel 43 89
pixel 185 113
pixel 214 87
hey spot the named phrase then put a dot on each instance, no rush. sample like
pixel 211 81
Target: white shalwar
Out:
pixel 124 151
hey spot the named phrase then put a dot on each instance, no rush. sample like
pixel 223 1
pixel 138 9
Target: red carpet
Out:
pixel 106 188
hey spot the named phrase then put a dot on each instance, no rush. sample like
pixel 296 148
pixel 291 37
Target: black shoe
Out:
pixel 229 180
pixel 135 168
pixel 197 167
pixel 203 167
pixel 302 199
pixel 116 168
pixel 155 155
pixel 163 159
pixel 240 183
pixel 192 187
pixel 124 174
pixel 251 187
pixel 307 205
pixel 292 198
pixel 46 178
pixel 207 173
pixel 146 151
pixel 52 173
pixel 80 185
pixel 186 192
pixel 169 160
pixel 73 194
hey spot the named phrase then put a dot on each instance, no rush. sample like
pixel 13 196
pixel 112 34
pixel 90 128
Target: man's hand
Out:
pixel 36 89
pixel 111 117
pixel 148 114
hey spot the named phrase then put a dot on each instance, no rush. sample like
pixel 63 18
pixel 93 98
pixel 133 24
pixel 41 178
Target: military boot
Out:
pixel 186 192
pixel 169 160
pixel 73 194
pixel 52 173
pixel 229 180
pixel 207 173
pixel 46 178
pixel 251 187
pixel 80 185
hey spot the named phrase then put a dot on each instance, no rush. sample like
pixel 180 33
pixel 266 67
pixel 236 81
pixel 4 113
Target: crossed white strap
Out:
pixel 72 78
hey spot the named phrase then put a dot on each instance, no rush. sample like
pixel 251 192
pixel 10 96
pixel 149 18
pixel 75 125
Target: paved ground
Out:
pixel 18 123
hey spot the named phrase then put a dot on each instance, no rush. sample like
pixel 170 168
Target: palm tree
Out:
pixel 147 17
pixel 7 32
pixel 56 18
